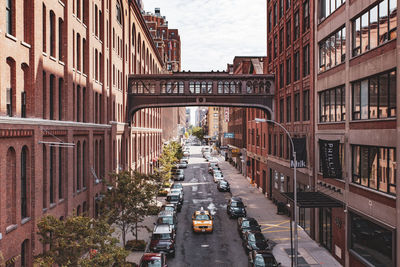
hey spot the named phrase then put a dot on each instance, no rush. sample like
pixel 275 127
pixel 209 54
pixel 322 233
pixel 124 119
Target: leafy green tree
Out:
pixel 78 241
pixel 198 132
pixel 128 201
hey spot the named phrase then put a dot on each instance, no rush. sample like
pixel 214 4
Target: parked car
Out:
pixel 246 224
pixel 178 175
pixel 177 186
pixel 262 258
pixel 223 186
pixel 177 191
pixel 175 199
pixel 182 164
pixel 167 217
pixel 218 176
pixel 236 208
pixel 153 260
pixel 254 240
pixel 163 239
pixel 214 169
pixel 169 207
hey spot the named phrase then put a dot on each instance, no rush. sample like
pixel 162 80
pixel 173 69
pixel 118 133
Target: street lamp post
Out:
pixel 295 186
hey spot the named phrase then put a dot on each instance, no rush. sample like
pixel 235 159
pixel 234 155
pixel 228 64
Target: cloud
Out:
pixel 213 32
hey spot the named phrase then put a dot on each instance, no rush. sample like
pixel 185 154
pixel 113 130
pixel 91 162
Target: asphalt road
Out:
pixel 223 247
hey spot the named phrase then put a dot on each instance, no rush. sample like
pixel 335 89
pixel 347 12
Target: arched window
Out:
pixel 25 69
pixel 24 253
pixel 118 12
pixel 10 17
pixel 60 173
pixel 96 21
pixel 78 166
pixel 52 174
pixel 84 208
pixel 10 86
pixel 24 183
pixel 84 57
pixel 60 38
pixel 84 97
pixel 51 96
pixel 84 171
pixel 52 34
pixel 78 210
pixel 11 187
pixel 78 52
pixel 44 175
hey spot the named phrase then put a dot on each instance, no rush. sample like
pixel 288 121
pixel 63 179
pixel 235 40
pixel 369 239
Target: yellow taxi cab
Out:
pixel 202 221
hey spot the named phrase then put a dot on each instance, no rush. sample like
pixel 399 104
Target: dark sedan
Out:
pixel 223 186
pixel 246 224
pixel 236 208
pixel 254 240
pixel 262 259
pixel 153 260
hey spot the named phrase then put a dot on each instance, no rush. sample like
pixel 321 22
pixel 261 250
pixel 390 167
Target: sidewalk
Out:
pixel 275 227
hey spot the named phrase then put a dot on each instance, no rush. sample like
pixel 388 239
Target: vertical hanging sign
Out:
pixel 226 111
pixel 300 146
pixel 329 157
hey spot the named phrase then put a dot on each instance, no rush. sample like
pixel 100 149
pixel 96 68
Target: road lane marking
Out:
pixel 205 246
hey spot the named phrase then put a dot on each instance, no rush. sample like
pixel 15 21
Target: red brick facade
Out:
pixel 63 83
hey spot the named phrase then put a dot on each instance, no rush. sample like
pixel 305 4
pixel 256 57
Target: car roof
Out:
pixel 202 212
pixel 165 213
pixel 149 256
pixel 162 229
pixel 174 194
pixel 236 199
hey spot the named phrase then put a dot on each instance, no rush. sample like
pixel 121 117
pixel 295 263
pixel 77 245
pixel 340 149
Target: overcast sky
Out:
pixel 213 32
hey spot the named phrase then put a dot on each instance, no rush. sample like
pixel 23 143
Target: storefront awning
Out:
pixel 313 200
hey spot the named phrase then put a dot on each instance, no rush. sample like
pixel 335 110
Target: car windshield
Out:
pixel 202 217
pixel 173 198
pixel 218 174
pixel 175 191
pixel 151 263
pixel 259 236
pixel 166 220
pixel 161 236
pixel 251 237
pixel 223 183
pixel 169 208
pixel 259 261
pixel 177 186
pixel 237 204
pixel 246 224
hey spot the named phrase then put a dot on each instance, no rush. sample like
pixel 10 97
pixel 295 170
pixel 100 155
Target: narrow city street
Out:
pixel 223 247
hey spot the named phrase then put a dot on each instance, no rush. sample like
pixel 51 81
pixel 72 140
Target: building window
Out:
pixel 306 105
pixel 51 96
pixel 11 187
pixel 288 71
pixel 374 97
pixel 296 26
pixel 275 13
pixel 306 60
pixel 306 15
pixel 275 46
pixel 269 21
pixel 24 189
pixel 297 107
pixel 281 41
pixel 381 252
pixel 281 145
pixel 281 75
pixel 52 174
pixel 297 66
pixel 332 105
pixel 52 34
pixel 374 167
pixel 287 4
pixel 281 110
pixel 332 50
pixel 10 17
pixel 288 33
pixel 118 12
pixel 78 166
pixel 60 173
pixel 275 144
pixel 327 7
pixel 269 144
pixel 24 253
pixel 60 39
pixel 276 179
pixel 23 104
pixel 44 27
pixel 288 109
pixel 281 8
pixel 374 26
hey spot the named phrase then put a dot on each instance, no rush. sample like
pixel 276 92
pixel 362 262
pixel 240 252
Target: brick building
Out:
pixel 63 87
pixel 167 40
pixel 355 103
pixel 290 56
